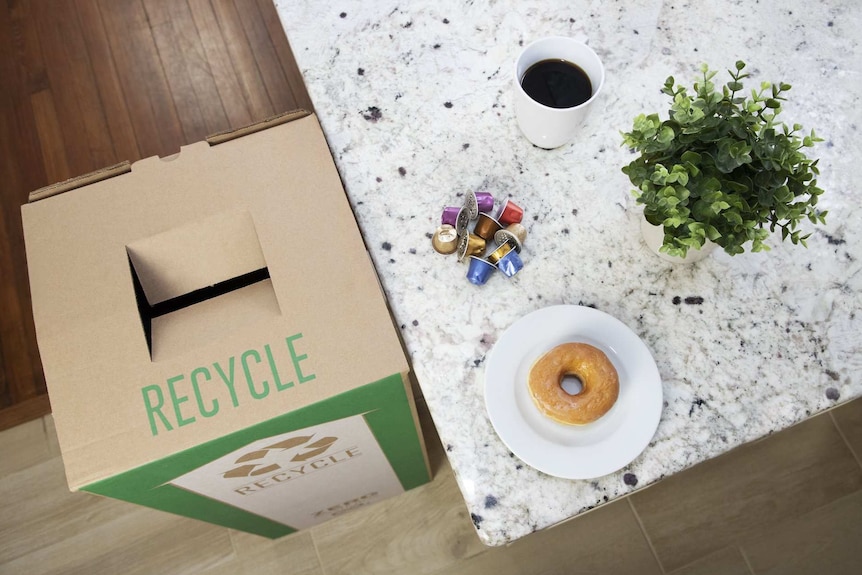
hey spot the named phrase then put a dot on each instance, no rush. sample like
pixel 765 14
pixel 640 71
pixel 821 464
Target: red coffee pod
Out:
pixel 510 213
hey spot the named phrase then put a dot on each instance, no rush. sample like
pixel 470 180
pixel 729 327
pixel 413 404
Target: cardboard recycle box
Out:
pixel 214 338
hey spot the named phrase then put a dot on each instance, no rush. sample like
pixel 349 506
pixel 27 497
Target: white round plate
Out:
pixel 572 451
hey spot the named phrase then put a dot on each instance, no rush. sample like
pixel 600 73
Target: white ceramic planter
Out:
pixel 654 237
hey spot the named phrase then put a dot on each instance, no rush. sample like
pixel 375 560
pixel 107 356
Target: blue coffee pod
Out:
pixel 510 264
pixel 479 271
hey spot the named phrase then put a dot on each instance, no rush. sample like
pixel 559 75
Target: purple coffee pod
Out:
pixel 479 271
pixel 485 201
pixel 450 216
pixel 510 264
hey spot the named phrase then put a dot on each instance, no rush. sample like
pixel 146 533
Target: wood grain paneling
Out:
pixel 242 58
pixel 110 89
pixel 21 165
pixel 87 83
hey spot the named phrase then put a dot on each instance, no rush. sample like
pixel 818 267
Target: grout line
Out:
pixel 646 535
pixel 316 551
pixel 844 437
pixel 45 432
pixel 745 558
pixel 230 536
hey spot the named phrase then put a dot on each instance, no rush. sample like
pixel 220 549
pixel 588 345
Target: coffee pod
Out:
pixel 498 253
pixel 510 264
pixel 479 271
pixel 514 234
pixel 486 227
pixel 485 201
pixel 461 221
pixel 519 231
pixel 510 213
pixel 471 204
pixel 507 237
pixel 470 245
pixel 450 216
pixel 445 239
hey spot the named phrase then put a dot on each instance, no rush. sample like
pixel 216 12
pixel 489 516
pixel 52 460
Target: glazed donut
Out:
pixel 601 385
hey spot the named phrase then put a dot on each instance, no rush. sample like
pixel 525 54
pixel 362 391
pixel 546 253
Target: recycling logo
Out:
pixel 259 461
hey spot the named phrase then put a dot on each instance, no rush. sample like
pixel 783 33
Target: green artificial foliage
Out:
pixel 723 168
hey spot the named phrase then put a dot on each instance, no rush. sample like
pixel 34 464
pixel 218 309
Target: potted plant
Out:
pixel 722 168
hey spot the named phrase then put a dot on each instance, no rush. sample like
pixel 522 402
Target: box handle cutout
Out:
pixel 197 280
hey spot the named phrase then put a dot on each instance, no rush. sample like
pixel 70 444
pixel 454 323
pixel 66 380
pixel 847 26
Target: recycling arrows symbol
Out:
pixel 254 469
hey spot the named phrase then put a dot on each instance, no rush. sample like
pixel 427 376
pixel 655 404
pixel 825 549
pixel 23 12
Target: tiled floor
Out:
pixel 788 504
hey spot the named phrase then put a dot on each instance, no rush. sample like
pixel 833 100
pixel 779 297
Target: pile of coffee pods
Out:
pixel 503 235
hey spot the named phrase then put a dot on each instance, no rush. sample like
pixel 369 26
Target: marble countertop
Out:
pixel 416 103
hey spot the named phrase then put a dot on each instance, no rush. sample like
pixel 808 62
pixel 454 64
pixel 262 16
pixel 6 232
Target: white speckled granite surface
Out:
pixel 415 100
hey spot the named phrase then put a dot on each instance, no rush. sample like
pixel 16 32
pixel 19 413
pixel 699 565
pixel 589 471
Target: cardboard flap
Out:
pixel 197 255
pixel 277 120
pixel 79 181
pixel 126 166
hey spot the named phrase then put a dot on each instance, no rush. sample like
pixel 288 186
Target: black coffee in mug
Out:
pixel 557 83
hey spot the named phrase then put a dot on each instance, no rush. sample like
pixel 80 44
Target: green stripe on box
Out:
pixel 387 412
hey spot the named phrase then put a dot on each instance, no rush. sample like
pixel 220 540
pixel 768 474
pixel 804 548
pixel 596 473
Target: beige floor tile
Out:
pixel 848 417
pixel 22 446
pixel 37 509
pixel 827 540
pixel 721 501
pixel 45 528
pixel 254 555
pixel 727 561
pixel 605 540
pixel 141 541
pixel 421 531
pixel 751 497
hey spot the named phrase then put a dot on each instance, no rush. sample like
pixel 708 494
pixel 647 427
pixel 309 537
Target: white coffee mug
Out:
pixel 544 126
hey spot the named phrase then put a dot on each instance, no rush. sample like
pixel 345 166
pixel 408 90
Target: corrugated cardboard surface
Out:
pixel 320 319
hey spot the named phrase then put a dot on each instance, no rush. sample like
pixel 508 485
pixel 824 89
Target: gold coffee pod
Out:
pixel 498 254
pixel 486 227
pixel 470 245
pixel 445 239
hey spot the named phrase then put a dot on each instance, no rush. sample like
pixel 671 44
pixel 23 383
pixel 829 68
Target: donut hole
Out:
pixel 572 384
